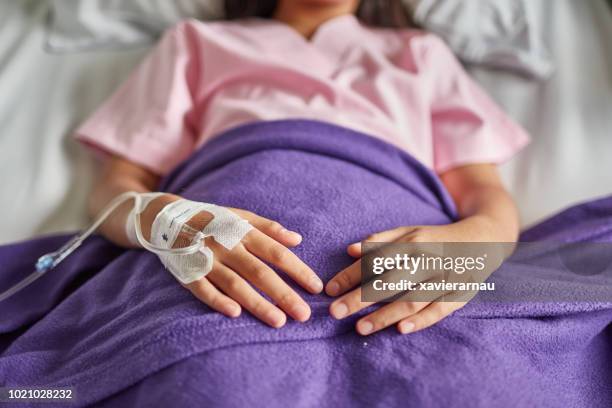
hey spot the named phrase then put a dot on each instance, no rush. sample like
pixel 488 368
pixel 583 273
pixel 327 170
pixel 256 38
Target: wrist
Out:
pixel 485 228
pixel 147 217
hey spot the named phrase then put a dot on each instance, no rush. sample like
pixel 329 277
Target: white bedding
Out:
pixel 45 176
pixel 569 116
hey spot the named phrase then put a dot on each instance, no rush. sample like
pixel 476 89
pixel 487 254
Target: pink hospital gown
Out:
pixel 402 86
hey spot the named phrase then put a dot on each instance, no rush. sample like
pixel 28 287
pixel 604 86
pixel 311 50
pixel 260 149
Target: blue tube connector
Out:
pixel 45 263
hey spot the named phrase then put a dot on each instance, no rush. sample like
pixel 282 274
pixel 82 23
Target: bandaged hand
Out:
pixel 233 268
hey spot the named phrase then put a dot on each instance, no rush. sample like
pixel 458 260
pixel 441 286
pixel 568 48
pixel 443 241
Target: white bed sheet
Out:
pixel 45 176
pixel 569 116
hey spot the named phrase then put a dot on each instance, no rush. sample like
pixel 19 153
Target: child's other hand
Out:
pixel 229 286
pixel 408 316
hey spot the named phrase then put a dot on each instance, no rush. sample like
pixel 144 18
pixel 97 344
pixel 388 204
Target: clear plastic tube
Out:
pixel 49 261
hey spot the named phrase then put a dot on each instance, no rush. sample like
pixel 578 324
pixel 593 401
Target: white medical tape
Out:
pixel 186 268
pixel 226 228
pixel 171 218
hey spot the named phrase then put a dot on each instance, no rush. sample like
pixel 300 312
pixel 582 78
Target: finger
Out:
pixel 428 316
pixel 384 236
pixel 236 287
pixel 388 315
pixel 271 251
pixel 345 280
pixel 348 304
pixel 273 229
pixel 265 279
pixel 349 277
pixel 213 298
pixel 353 302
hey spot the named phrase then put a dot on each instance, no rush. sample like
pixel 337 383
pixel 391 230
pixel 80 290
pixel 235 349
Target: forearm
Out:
pixel 486 210
pixel 490 214
pixel 114 228
pixel 120 176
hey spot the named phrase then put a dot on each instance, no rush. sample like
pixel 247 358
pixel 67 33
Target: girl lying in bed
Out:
pixel 308 59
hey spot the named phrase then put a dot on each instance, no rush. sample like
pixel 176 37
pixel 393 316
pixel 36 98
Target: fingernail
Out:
pixel 286 231
pixel 300 312
pixel 294 235
pixel 275 318
pixel 365 327
pixel 232 310
pixel 333 288
pixel 339 310
pixel 316 284
pixel 406 327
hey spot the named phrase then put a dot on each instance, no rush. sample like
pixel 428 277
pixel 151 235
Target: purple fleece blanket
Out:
pixel 121 331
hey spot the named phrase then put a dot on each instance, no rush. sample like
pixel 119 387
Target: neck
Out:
pixel 305 17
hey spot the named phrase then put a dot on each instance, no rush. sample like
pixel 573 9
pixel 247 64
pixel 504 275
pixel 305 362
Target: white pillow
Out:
pixel 494 33
pixel 81 25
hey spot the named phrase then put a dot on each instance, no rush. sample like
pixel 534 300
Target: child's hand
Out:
pixel 409 316
pixel 488 215
pixel 229 285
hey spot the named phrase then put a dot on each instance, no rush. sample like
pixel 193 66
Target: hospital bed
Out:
pixel 46 176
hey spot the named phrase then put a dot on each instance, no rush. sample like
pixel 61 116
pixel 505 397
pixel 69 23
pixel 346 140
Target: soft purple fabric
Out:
pixel 120 330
